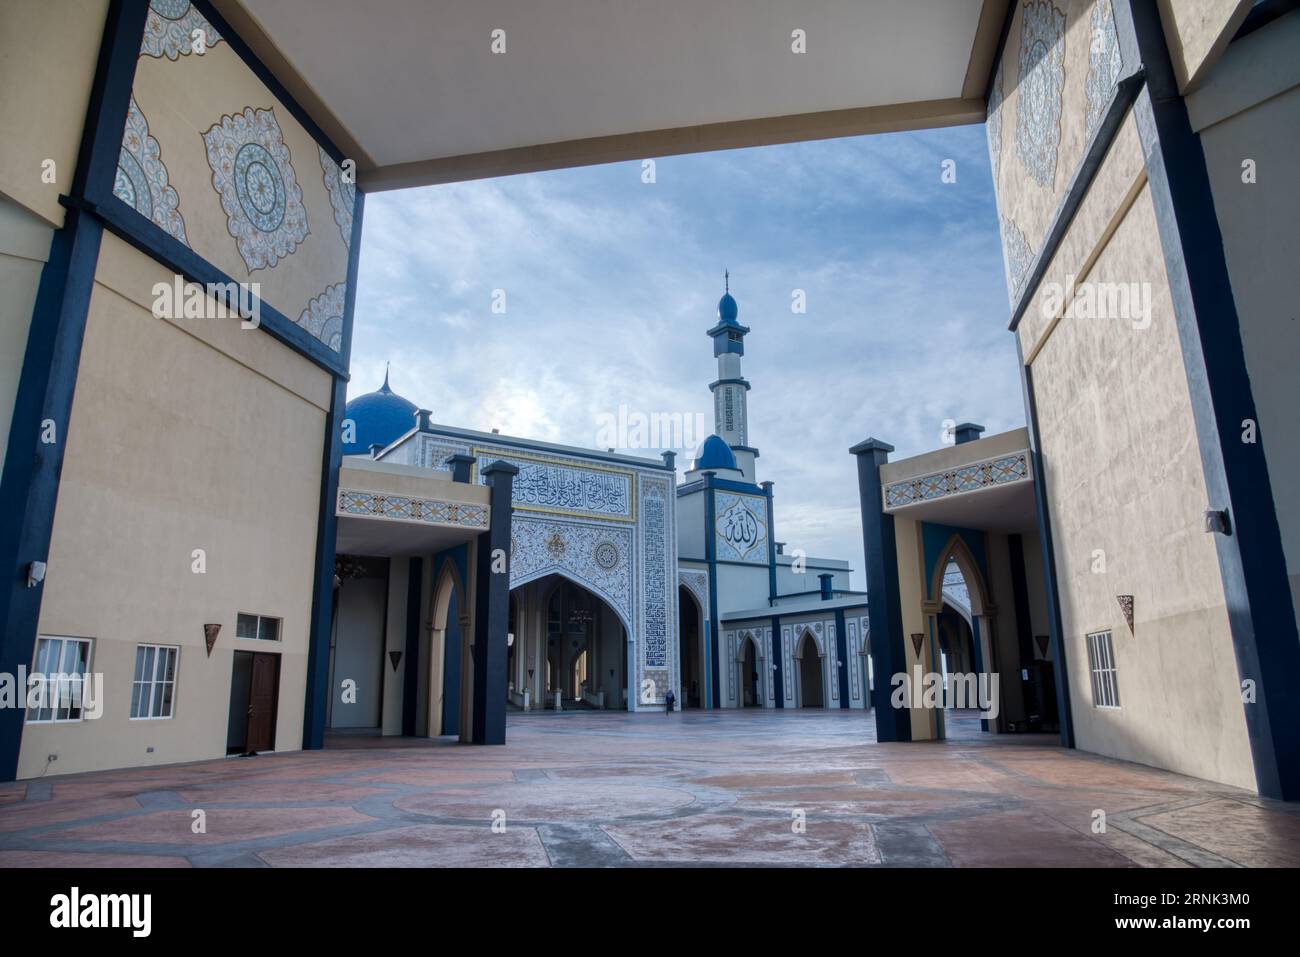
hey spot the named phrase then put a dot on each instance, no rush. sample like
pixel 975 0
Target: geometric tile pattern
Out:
pixel 1039 89
pixel 343 194
pixel 1104 63
pixel 323 317
pixel 407 509
pixel 253 175
pixel 169 30
pixel 141 178
pixel 1002 470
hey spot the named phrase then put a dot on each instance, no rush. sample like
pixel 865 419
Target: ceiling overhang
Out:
pixel 411 90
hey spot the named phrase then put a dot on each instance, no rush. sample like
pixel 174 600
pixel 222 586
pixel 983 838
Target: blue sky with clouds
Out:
pixel 610 284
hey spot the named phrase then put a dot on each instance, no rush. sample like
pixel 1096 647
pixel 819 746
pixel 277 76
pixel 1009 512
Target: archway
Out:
pixel 690 618
pixel 958 604
pixel 749 666
pixel 445 679
pixel 808 656
pixel 570 648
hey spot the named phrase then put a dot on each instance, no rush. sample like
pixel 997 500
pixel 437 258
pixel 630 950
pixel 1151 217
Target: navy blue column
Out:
pixel 711 557
pixel 492 610
pixel 778 660
pixel 411 677
pixel 842 649
pixel 883 604
pixel 1252 563
pixel 771 542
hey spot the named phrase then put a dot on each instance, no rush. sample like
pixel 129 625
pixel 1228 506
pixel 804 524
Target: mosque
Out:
pixel 200 529
pixel 624 583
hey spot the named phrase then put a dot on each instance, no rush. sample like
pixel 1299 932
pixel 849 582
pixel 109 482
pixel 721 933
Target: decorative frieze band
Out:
pixel 407 509
pixel 1002 470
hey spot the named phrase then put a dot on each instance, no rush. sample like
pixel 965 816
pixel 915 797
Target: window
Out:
pixel 257 626
pixel 1101 659
pixel 60 675
pixel 154 686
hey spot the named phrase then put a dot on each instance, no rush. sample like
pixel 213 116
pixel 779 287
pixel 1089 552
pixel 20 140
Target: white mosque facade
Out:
pixel 624 584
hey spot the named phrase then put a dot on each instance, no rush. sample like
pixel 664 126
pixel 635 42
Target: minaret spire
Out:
pixel 730 413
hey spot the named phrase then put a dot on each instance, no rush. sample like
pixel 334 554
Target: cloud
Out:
pixel 609 284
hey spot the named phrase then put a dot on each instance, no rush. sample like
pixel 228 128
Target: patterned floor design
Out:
pixel 605 789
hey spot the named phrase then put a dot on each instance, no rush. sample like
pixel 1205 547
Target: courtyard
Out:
pixel 590 789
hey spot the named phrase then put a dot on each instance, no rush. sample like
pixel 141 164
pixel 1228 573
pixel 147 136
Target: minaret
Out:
pixel 730 413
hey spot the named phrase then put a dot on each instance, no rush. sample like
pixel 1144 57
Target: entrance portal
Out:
pixel 569 650
pixel 811 694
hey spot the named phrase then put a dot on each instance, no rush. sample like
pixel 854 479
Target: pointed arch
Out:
pixel 957 550
pixel 600 593
pixel 806 632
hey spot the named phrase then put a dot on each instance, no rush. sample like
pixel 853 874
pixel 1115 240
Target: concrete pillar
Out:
pixel 492 610
pixel 883 603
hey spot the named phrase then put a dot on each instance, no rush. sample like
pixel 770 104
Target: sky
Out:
pixel 609 282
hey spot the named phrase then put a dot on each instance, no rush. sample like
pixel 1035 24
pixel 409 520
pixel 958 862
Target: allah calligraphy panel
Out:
pixel 741 528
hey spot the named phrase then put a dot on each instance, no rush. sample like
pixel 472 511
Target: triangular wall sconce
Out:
pixel 917 639
pixel 210 633
pixel 1041 641
pixel 394 657
pixel 1126 606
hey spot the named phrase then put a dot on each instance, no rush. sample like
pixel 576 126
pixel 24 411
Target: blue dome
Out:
pixel 714 453
pixel 727 308
pixel 378 417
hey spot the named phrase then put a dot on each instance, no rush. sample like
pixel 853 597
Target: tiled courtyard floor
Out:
pixel 618 789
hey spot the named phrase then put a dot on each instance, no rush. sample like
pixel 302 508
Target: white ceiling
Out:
pixel 415 80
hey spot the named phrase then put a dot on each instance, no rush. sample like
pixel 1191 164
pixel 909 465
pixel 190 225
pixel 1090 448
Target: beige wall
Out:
pixel 24 248
pixel 1124 476
pixel 184 435
pixel 47 63
pixel 48 51
pixel 1249 108
pixel 1196 32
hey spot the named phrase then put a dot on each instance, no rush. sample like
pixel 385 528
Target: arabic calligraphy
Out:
pixel 741 533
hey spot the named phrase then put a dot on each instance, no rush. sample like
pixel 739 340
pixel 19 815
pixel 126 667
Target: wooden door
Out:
pixel 261 702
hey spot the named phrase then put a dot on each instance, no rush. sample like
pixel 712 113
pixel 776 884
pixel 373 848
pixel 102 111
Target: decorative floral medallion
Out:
pixel 343 195
pixel 1104 63
pixel 994 124
pixel 323 317
pixel 141 179
pixel 606 555
pixel 1042 80
pixel 252 172
pixel 1018 256
pixel 555 547
pixel 169 30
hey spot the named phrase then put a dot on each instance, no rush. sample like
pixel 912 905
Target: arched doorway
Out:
pixel 570 648
pixel 811 686
pixel 690 617
pixel 444 687
pixel 961 639
pixel 749 664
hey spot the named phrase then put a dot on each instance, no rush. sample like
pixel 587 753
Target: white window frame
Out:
pixel 1103 671
pixel 261 624
pixel 153 680
pixel 54 718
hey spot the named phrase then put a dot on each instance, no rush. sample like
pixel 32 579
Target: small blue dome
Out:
pixel 714 453
pixel 378 417
pixel 727 308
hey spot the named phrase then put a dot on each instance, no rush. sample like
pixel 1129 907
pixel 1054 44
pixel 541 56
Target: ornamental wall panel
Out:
pixel 212 158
